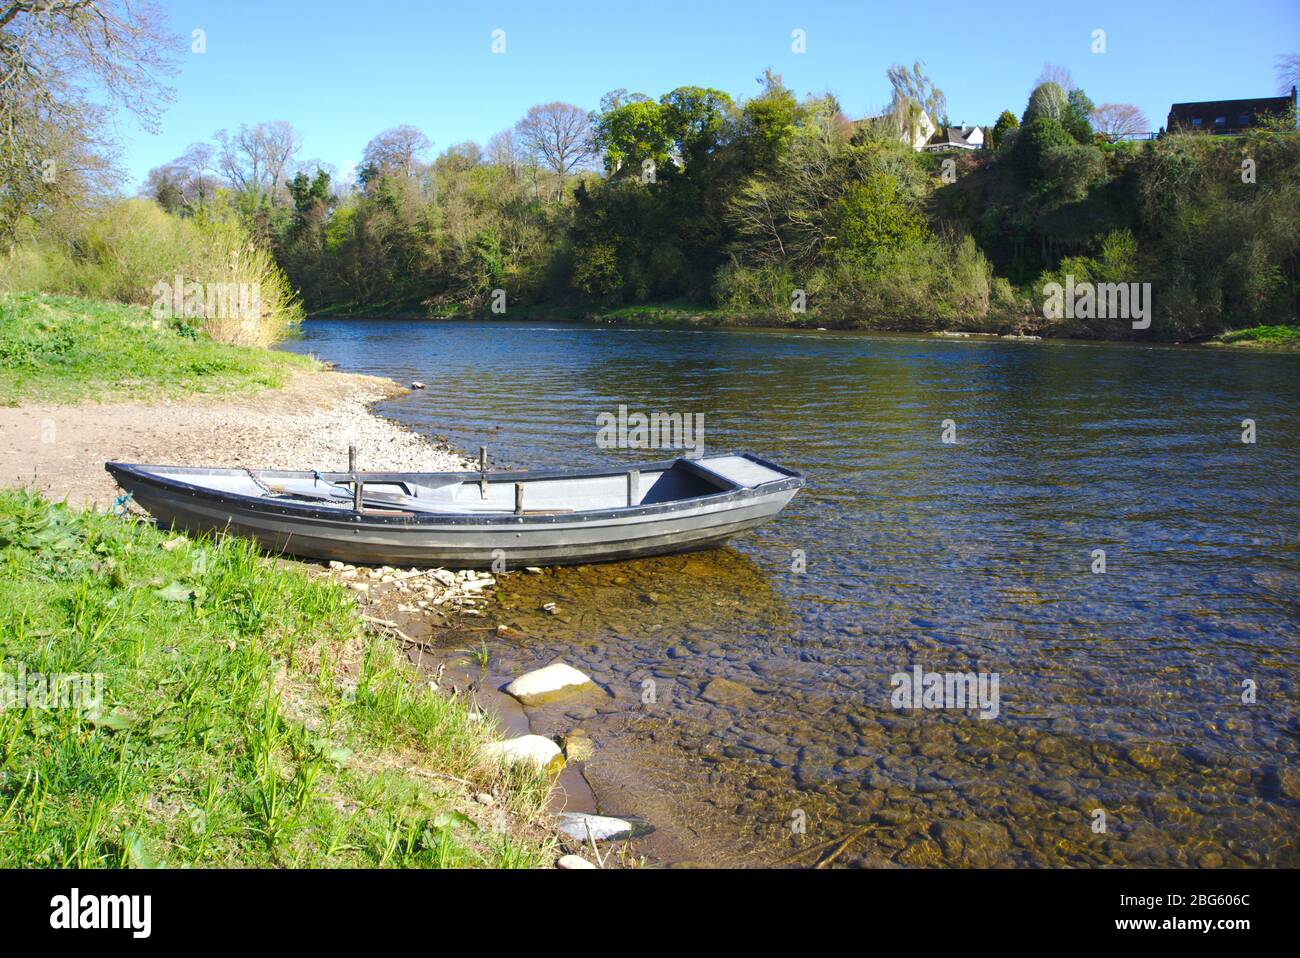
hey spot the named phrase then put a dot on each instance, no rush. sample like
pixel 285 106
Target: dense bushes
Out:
pixel 931 282
pixel 1218 248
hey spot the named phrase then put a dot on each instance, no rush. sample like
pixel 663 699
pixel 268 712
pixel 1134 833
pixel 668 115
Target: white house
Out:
pixel 891 121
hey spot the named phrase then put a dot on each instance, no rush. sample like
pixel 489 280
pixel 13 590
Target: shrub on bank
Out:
pixel 933 282
pixel 133 252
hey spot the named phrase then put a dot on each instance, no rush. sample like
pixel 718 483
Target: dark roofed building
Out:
pixel 956 138
pixel 1227 116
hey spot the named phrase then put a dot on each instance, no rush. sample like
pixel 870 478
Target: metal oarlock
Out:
pixel 356 482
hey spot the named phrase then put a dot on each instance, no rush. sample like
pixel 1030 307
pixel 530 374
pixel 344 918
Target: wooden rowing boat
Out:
pixel 471 519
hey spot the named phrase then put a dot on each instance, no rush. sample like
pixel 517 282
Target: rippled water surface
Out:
pixel 1121 694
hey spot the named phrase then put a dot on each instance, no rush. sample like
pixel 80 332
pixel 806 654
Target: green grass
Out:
pixel 246 718
pixel 1273 337
pixel 67 349
pixel 668 313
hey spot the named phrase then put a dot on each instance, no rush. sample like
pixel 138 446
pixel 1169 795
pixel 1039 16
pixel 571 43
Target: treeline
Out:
pixel 780 209
pixel 771 208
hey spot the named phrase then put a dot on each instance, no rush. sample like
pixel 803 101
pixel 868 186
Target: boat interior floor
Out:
pixel 442 493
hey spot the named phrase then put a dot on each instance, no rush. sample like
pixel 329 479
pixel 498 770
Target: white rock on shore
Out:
pixel 537 749
pixel 573 863
pixel 545 684
pixel 602 828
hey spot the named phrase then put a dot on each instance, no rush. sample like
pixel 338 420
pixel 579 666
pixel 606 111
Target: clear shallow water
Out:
pixel 1119 691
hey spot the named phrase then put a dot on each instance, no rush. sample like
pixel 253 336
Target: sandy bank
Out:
pixel 61 450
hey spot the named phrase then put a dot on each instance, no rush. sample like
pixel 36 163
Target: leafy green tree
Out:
pixel 1036 139
pixel 596 272
pixel 696 119
pixel 877 215
pixel 1006 122
pixel 767 123
pixel 1077 118
pixel 311 199
pixel 302 252
pixel 629 134
pixel 165 185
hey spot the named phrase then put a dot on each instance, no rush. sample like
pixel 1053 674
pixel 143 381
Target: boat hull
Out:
pixel 502 542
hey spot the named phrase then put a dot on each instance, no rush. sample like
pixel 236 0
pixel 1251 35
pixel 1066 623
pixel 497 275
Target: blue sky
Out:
pixel 341 72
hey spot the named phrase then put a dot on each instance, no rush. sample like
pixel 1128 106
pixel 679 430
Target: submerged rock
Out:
pixel 1281 782
pixel 535 749
pixel 921 854
pixel 602 828
pixel 725 692
pixel 972 843
pixel 1144 757
pixel 578 746
pixel 549 683
pixel 1056 790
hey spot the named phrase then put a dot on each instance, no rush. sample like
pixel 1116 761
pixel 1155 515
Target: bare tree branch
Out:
pixel 560 134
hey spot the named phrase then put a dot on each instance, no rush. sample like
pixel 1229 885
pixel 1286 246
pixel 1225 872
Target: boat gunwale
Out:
pixel 283 508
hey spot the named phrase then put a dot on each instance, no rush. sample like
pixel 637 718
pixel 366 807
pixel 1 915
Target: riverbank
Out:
pixel 250 712
pixel 68 349
pixel 669 315
pixel 60 449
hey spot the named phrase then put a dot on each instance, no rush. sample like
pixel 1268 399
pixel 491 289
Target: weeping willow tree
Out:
pixel 914 101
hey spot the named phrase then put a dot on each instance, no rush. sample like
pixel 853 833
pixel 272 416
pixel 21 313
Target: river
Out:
pixel 963 500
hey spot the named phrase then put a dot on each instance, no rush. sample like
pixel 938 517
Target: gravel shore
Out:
pixel 61 450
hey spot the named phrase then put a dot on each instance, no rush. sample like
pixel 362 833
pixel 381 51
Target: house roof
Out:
pixel 953 136
pixel 1232 109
